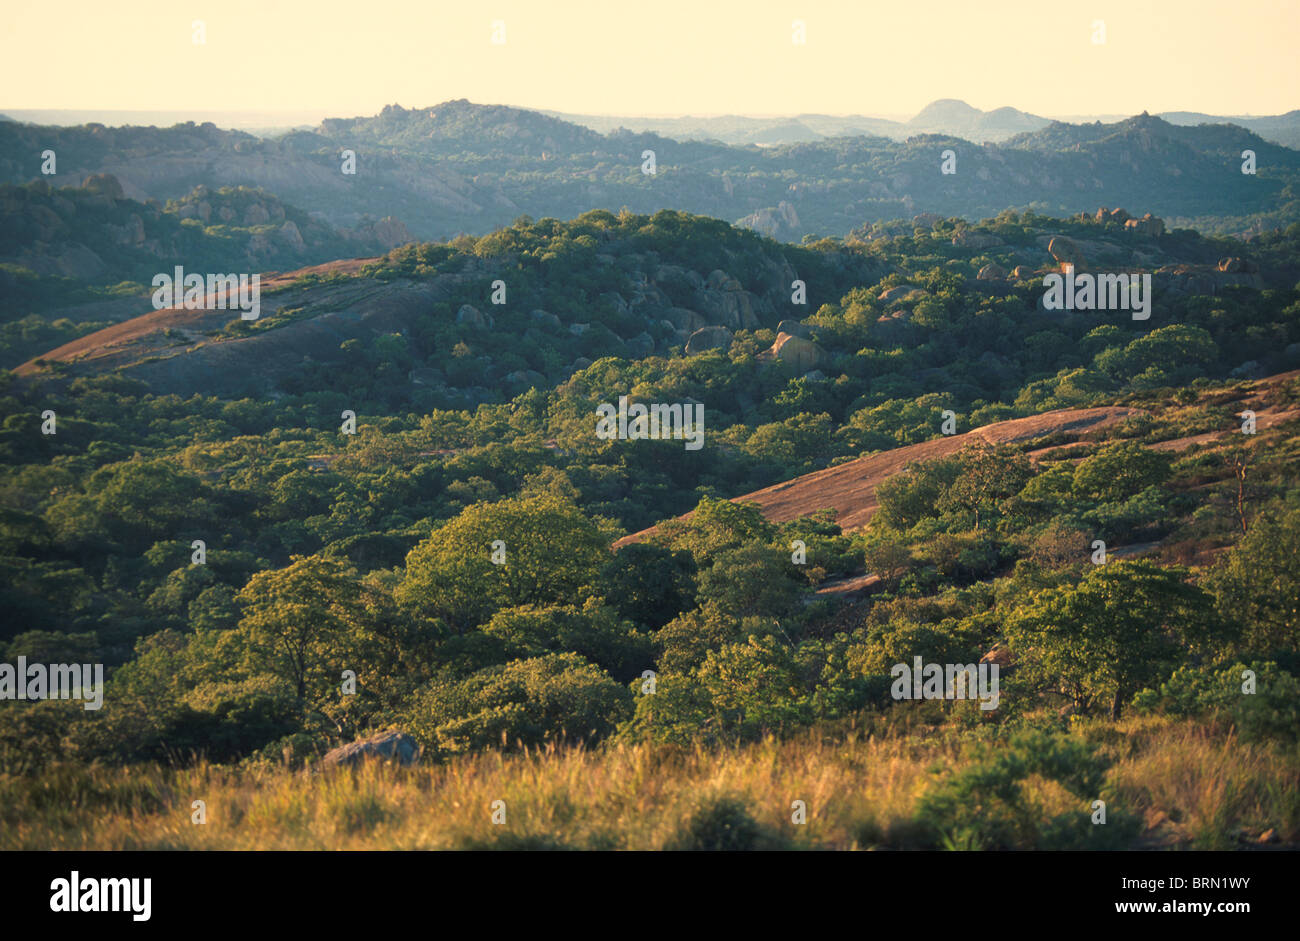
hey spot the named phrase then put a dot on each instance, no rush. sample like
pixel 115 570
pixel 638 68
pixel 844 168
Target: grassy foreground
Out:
pixel 1166 785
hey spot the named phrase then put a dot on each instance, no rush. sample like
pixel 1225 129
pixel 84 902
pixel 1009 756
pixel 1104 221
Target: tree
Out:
pixel 1120 629
pixel 987 477
pixel 558 697
pixel 304 624
pixel 549 552
pixel 1119 471
pixel 1257 584
pixel 649 584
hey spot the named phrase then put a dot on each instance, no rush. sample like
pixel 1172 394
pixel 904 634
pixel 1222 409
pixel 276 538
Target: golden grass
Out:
pixel 1199 784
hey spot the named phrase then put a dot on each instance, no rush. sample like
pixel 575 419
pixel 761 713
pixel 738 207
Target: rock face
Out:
pixel 641 345
pixel 1105 215
pixel 1237 266
pixel 803 355
pixel 1148 225
pixel 390 232
pixel 471 315
pixel 708 338
pixel 396 747
pixel 545 319
pixel 999 655
pixel 530 377
pixel 105 184
pixel 893 294
pixel 1065 251
pixel 779 222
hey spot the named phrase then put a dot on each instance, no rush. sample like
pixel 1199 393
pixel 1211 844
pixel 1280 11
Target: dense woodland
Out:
pixel 372 552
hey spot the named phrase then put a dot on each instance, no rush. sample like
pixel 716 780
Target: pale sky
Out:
pixel 655 57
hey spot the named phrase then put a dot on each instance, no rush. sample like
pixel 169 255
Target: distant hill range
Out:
pixel 459 167
pixel 948 116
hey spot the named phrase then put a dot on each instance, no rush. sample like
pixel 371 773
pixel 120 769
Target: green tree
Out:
pixel 552 554
pixel 1119 471
pixel 1122 628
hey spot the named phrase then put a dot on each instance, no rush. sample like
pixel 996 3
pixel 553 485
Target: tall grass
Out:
pixel 1198 784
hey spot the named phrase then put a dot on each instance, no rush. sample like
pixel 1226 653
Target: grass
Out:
pixel 1190 785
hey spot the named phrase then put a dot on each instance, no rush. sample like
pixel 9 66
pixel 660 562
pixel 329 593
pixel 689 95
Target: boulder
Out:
pixel 390 232
pixel 1022 272
pixel 1148 225
pixel 616 300
pixel 256 214
pixel 641 345
pixel 719 280
pixel 708 338
pixel 529 377
pixel 683 319
pixel 1065 252
pixel 105 184
pixel 793 327
pixel 290 236
pixel 396 747
pixel 999 655
pixel 426 376
pixel 1237 266
pixel 992 272
pixel 893 294
pixel 471 315
pixel 545 319
pixel 803 355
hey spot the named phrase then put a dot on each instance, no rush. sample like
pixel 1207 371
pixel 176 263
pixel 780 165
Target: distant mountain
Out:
pixel 459 168
pixel 456 127
pixel 958 119
pixel 1281 129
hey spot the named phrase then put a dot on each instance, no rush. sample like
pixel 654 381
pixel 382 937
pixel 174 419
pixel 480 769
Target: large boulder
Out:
pixel 396 747
pixel 1065 251
pixel 641 345
pixel 992 272
pixel 390 232
pixel 104 184
pixel 471 315
pixel 1237 266
pixel 803 355
pixel 530 377
pixel 545 319
pixel 792 327
pixel 708 338
pixel 894 294
pixel 1148 225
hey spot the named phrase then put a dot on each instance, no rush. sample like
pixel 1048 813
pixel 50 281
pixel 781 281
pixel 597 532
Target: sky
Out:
pixel 661 57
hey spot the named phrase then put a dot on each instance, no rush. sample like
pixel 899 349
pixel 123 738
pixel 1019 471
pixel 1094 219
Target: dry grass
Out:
pixel 1198 783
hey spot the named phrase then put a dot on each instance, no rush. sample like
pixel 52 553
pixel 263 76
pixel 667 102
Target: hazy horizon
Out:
pixel 679 59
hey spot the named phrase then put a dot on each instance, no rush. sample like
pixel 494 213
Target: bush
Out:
pixel 723 824
pixel 1271 712
pixel 985 805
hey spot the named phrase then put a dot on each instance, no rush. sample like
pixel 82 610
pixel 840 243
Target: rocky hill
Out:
pixel 459 167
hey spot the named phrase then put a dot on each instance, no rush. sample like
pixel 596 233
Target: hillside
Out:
pixel 459 167
pixel 849 489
